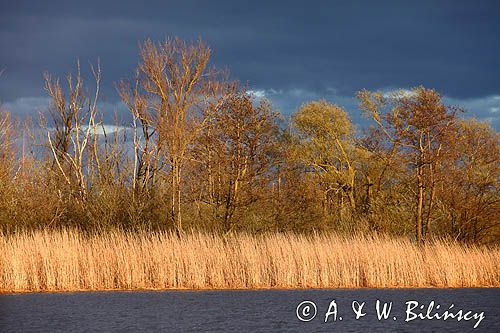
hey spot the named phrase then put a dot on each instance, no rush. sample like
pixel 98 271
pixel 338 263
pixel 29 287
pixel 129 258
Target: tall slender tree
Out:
pixel 183 93
pixel 419 124
pixel 236 155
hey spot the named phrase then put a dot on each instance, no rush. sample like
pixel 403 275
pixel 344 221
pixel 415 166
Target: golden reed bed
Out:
pixel 67 261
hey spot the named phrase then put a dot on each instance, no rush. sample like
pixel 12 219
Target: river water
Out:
pixel 255 311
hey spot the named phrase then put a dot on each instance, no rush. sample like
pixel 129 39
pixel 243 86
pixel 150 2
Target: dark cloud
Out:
pixel 289 46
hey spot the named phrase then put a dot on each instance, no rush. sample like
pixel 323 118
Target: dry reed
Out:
pixel 70 261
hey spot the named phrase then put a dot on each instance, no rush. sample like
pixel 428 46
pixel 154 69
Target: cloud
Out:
pixel 398 93
pixel 483 108
pixel 486 108
pixel 32 107
pixel 257 93
pixel 314 47
pixel 287 101
pixel 25 107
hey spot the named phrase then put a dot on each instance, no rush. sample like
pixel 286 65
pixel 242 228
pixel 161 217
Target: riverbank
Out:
pixel 70 261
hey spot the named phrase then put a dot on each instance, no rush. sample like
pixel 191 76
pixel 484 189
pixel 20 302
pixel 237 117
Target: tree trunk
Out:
pixel 430 205
pixel 368 195
pixel 420 202
pixel 352 201
pixel 175 208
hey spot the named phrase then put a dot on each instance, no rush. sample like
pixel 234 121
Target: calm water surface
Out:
pixel 247 311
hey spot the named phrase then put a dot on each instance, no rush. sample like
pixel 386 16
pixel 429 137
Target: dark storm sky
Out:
pixel 289 51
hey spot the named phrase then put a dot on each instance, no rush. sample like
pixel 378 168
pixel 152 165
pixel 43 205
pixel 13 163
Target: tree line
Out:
pixel 201 152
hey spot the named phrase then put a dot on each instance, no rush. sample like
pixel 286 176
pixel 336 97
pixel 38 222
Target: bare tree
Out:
pixel 419 124
pixel 470 191
pixel 235 152
pixel 145 151
pixel 182 94
pixel 6 151
pixel 74 119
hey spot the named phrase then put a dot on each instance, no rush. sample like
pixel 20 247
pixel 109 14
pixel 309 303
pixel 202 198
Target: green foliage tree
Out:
pixel 323 143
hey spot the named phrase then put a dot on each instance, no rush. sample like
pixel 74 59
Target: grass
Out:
pixel 69 261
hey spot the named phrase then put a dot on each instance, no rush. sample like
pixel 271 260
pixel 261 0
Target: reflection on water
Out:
pixel 254 311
